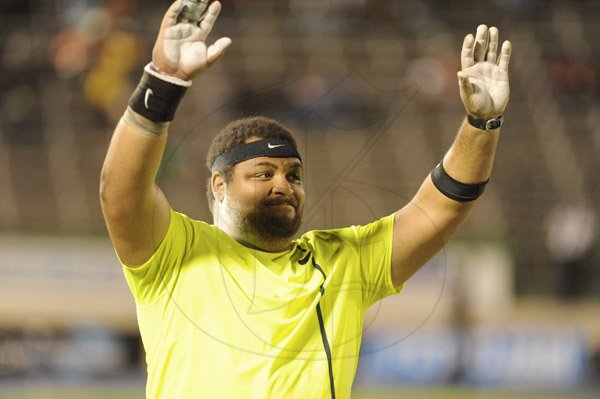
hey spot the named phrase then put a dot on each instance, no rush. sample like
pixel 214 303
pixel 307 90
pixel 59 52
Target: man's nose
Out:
pixel 281 185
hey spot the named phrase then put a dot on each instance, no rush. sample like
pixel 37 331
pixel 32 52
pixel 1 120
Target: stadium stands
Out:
pixel 377 76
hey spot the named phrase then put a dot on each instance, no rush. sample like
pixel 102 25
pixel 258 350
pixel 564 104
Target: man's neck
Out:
pixel 254 241
pixel 279 245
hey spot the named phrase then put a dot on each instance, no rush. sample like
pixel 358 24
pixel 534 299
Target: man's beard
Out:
pixel 268 223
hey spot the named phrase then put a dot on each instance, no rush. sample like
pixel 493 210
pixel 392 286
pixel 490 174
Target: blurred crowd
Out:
pixel 344 60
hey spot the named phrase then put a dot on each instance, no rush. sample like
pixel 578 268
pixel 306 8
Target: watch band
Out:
pixel 490 124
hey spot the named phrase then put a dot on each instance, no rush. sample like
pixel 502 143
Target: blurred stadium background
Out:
pixel 509 309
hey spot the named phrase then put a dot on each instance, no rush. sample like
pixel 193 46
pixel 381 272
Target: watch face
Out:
pixel 491 124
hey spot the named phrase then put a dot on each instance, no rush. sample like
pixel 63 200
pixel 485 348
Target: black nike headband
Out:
pixel 274 148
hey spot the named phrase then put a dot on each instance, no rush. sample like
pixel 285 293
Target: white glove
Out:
pixel 483 80
pixel 180 49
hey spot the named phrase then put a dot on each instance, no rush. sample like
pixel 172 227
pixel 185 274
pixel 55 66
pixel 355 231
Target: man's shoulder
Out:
pixel 327 236
pixel 183 217
pixel 188 225
pixel 345 233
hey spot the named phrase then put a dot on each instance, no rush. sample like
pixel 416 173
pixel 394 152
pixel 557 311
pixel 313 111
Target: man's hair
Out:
pixel 237 132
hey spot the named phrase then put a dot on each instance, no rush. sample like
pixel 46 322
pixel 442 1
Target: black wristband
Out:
pixel 155 98
pixel 454 189
pixel 488 125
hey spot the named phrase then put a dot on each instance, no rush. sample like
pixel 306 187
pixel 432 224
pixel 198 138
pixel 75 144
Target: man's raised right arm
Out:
pixel 136 211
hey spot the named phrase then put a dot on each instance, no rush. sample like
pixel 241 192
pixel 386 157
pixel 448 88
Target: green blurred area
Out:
pixel 463 393
pixel 71 394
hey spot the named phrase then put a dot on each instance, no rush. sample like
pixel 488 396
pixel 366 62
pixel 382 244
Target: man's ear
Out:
pixel 218 186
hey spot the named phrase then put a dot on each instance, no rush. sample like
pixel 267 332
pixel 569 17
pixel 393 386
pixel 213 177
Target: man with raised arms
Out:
pixel 240 307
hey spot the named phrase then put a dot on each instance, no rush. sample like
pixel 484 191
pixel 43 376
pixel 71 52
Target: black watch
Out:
pixel 490 124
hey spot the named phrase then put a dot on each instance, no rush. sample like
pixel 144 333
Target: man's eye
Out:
pixel 265 174
pixel 295 177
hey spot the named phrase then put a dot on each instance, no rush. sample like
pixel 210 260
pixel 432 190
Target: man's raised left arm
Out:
pixel 448 194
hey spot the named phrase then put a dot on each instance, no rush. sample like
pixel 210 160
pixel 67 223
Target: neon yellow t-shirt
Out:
pixel 220 320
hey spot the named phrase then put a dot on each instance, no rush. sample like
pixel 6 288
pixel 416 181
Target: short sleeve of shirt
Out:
pixel 374 246
pixel 363 253
pixel 158 276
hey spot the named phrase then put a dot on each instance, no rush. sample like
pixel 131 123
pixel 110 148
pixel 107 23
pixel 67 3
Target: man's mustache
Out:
pixel 281 201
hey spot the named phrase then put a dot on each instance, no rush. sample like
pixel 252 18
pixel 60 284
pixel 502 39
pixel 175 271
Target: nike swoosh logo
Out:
pixel 149 93
pixel 274 145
